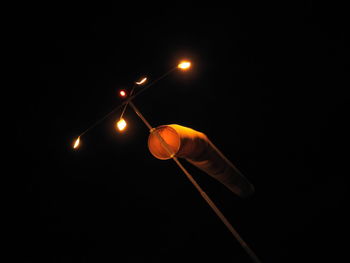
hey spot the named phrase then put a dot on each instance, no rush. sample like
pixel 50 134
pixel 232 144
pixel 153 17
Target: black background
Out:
pixel 268 85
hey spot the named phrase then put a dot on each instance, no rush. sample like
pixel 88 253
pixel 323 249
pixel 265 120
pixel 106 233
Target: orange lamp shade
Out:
pixel 175 140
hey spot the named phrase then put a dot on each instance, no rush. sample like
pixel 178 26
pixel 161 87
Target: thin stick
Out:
pixel 100 120
pixel 127 101
pixel 217 211
pixel 126 105
pixel 141 116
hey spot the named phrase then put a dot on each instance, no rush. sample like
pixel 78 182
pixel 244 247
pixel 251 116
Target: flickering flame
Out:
pixel 76 143
pixel 121 124
pixel 142 81
pixel 184 65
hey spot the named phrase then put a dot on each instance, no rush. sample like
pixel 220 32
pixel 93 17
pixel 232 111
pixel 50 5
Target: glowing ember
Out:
pixel 122 93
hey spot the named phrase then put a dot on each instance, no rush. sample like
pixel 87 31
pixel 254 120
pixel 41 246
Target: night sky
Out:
pixel 267 85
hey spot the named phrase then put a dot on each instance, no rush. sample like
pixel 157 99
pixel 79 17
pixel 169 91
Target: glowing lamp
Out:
pixel 121 124
pixel 76 143
pixel 142 81
pixel 184 65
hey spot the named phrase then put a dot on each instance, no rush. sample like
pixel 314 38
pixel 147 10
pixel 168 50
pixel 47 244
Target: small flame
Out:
pixel 121 124
pixel 184 65
pixel 142 81
pixel 77 142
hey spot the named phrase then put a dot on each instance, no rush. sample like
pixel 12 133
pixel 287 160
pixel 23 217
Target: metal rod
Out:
pixel 217 211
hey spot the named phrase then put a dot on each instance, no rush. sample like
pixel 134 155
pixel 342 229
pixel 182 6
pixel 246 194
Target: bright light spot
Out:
pixel 121 124
pixel 77 142
pixel 122 93
pixel 184 65
pixel 142 81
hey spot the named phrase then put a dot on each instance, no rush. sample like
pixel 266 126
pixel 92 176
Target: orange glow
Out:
pixel 76 143
pixel 184 65
pixel 121 124
pixel 122 93
pixel 142 81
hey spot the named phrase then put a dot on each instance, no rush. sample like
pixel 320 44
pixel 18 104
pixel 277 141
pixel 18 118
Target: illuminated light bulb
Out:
pixel 142 81
pixel 122 93
pixel 184 65
pixel 76 143
pixel 121 124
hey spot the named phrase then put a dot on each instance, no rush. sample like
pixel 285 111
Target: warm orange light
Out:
pixel 76 143
pixel 121 124
pixel 142 81
pixel 184 65
pixel 122 93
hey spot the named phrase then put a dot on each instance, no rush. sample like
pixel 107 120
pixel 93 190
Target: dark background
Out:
pixel 267 86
